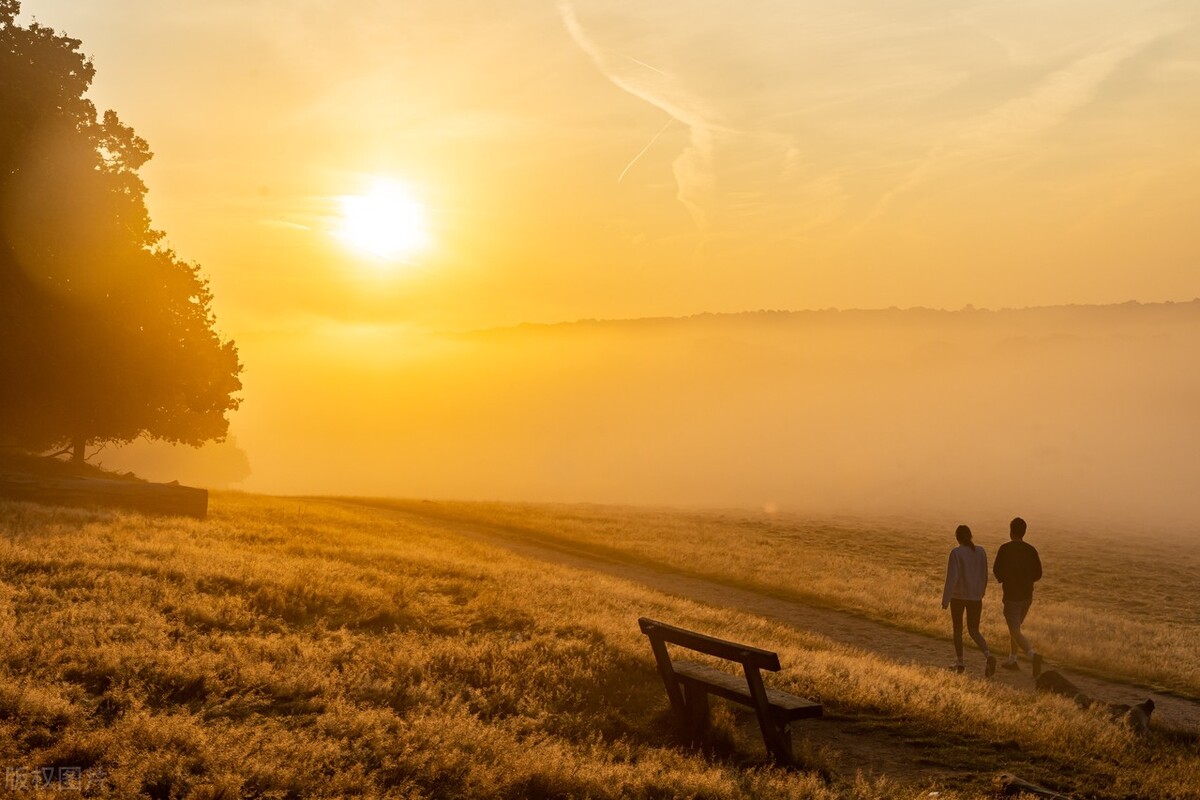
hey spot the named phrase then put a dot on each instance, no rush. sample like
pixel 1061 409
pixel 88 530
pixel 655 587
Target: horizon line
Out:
pixel 965 309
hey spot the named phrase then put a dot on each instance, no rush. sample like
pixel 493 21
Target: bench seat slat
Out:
pixel 733 687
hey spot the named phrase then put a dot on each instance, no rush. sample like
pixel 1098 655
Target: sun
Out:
pixel 387 222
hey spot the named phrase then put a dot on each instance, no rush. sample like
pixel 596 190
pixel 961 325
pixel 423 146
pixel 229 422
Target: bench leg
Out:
pixel 782 751
pixel 695 700
pixel 777 736
pixel 776 733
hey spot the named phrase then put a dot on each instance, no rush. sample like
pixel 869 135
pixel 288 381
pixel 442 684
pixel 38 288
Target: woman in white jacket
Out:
pixel 966 581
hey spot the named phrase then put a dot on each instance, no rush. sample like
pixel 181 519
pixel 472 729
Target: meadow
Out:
pixel 1116 602
pixel 309 648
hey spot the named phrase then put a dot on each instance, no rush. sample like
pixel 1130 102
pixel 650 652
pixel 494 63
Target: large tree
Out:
pixel 105 334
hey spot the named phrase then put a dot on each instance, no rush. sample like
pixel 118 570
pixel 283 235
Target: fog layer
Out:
pixel 1085 412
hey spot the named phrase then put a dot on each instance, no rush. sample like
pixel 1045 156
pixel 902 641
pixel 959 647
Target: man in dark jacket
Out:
pixel 1018 567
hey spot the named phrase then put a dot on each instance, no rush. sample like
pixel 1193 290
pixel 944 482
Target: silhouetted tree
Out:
pixel 105 334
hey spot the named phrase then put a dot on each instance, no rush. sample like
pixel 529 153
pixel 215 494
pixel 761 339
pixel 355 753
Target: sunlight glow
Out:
pixel 387 222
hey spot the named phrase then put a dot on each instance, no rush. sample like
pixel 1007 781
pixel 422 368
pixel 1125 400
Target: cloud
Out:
pixel 1060 93
pixel 283 224
pixel 804 116
pixel 693 167
pixel 1006 128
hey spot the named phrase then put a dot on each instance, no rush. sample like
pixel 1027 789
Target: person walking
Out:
pixel 1017 568
pixel 966 581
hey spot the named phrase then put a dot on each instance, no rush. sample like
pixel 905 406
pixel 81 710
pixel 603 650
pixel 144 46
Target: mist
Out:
pixel 1079 412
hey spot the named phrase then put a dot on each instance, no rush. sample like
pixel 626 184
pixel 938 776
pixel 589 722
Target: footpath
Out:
pixel 1171 712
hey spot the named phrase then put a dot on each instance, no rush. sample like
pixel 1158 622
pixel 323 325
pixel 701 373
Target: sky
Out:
pixel 610 158
pixel 579 159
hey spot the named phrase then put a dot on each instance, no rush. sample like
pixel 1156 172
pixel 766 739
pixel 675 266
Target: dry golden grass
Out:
pixel 307 649
pixel 1118 605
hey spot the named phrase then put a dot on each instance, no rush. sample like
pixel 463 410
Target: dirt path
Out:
pixel 903 646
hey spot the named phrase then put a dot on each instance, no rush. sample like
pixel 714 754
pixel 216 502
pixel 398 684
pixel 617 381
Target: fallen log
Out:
pixel 149 498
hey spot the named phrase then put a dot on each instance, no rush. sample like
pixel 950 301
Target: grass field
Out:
pixel 1115 603
pixel 288 648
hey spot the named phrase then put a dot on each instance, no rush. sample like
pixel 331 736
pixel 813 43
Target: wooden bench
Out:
pixel 689 684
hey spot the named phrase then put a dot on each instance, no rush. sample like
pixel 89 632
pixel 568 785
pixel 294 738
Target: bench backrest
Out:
pixel 721 648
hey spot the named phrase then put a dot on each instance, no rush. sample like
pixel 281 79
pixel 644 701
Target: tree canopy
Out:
pixel 105 333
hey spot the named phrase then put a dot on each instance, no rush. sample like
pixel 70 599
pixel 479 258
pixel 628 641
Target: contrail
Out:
pixel 642 152
pixel 644 64
pixel 694 165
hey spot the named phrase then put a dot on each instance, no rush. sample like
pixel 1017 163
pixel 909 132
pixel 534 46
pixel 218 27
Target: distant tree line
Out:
pixel 105 333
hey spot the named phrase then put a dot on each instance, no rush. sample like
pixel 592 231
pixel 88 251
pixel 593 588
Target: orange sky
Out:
pixel 613 158
pixel 854 155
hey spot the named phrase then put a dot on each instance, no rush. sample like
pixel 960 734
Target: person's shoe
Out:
pixel 1037 664
pixel 1011 666
pixel 990 669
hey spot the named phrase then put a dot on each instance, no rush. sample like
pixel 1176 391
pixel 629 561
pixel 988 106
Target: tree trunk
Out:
pixel 78 446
